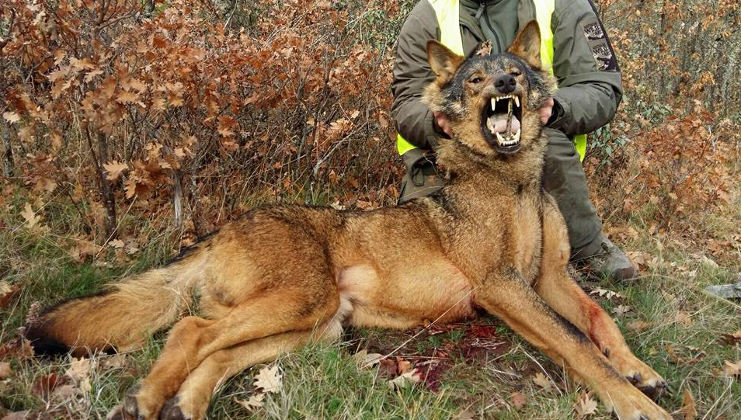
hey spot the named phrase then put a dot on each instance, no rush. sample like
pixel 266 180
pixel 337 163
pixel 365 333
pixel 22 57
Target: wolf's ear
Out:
pixel 527 44
pixel 443 62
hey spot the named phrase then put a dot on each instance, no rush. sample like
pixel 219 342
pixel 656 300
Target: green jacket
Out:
pixel 583 62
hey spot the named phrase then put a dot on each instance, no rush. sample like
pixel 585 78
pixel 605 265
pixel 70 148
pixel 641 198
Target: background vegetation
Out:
pixel 129 128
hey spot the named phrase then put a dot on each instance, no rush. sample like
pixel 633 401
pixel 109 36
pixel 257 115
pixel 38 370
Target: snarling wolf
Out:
pixel 490 240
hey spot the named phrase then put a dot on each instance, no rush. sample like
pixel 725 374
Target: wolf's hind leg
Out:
pixel 193 397
pixel 193 339
pixel 562 294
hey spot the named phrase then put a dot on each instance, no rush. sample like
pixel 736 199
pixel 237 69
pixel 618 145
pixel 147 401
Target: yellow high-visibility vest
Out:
pixel 447 12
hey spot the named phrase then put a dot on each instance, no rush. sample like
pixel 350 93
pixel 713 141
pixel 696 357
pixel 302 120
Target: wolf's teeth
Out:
pixel 517 136
pixel 500 139
pixel 517 101
pixel 493 104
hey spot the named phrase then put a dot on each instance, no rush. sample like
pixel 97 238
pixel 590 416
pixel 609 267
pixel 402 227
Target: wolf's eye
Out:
pixel 475 79
pixel 515 73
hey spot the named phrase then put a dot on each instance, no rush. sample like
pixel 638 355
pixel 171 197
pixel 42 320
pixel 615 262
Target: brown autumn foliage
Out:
pixel 183 114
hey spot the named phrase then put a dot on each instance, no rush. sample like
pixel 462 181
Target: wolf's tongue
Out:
pixel 498 123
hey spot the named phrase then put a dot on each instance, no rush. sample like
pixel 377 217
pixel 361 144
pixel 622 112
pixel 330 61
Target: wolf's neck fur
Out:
pixel 462 166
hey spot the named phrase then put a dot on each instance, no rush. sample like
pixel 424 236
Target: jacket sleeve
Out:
pixel 585 65
pixel 412 119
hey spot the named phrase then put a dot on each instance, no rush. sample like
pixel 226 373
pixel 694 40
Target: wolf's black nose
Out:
pixel 505 83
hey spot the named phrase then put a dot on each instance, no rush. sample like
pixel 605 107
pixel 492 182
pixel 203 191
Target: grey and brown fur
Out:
pixel 283 276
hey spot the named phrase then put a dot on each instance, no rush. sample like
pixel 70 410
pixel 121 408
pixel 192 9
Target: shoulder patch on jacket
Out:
pixel 602 52
pixel 599 43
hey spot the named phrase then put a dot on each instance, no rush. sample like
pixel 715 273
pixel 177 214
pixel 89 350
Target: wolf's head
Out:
pixel 492 100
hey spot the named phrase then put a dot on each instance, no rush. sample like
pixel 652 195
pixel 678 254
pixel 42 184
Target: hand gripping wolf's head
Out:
pixel 492 100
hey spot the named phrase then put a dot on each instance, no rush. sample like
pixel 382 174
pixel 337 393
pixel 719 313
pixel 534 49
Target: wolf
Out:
pixel 490 240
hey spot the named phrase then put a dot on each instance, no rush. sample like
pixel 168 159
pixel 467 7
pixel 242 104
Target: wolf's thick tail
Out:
pixel 124 316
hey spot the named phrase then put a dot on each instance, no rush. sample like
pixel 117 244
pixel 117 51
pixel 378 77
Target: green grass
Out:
pixel 324 381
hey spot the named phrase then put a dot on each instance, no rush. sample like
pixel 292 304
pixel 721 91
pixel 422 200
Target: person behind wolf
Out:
pixel 581 59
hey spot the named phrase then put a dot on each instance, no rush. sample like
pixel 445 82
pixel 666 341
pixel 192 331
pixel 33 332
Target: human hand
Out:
pixel 443 122
pixel 546 110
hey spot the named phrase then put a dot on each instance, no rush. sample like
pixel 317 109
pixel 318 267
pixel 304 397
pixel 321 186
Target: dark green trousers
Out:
pixel 563 178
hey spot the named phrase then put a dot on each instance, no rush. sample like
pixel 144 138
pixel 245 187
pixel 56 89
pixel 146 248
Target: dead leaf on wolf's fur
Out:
pixel 518 399
pixel 269 379
pixel 542 381
pixel 585 406
pixel 689 408
pixel 732 339
pixel 253 403
pixel 404 380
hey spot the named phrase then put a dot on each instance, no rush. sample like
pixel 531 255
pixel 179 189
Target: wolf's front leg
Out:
pixel 562 294
pixel 506 295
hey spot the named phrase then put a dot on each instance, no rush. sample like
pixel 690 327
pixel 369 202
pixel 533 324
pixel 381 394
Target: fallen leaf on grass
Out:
pixel 269 379
pixel 464 415
pixel 732 370
pixel 405 380
pixel 115 361
pixel 30 216
pixel 639 326
pixel 683 318
pixel 79 369
pixel 365 360
pixel 5 370
pixel 46 384
pixel 621 310
pixel 693 354
pixel 732 339
pixel 689 408
pixel 17 415
pixel 253 403
pixel 517 399
pixel 585 406
pixel 17 347
pixel 403 366
pixel 7 293
pixel 608 294
pixel 387 368
pixel 542 381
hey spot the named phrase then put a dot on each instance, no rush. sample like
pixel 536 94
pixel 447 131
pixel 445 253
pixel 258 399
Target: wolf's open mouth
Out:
pixel 502 122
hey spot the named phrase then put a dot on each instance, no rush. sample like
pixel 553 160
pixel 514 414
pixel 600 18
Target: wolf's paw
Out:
pixel 172 411
pixel 133 407
pixel 640 375
pixel 634 405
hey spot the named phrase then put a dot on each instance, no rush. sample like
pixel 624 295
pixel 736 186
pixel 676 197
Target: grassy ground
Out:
pixel 477 370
